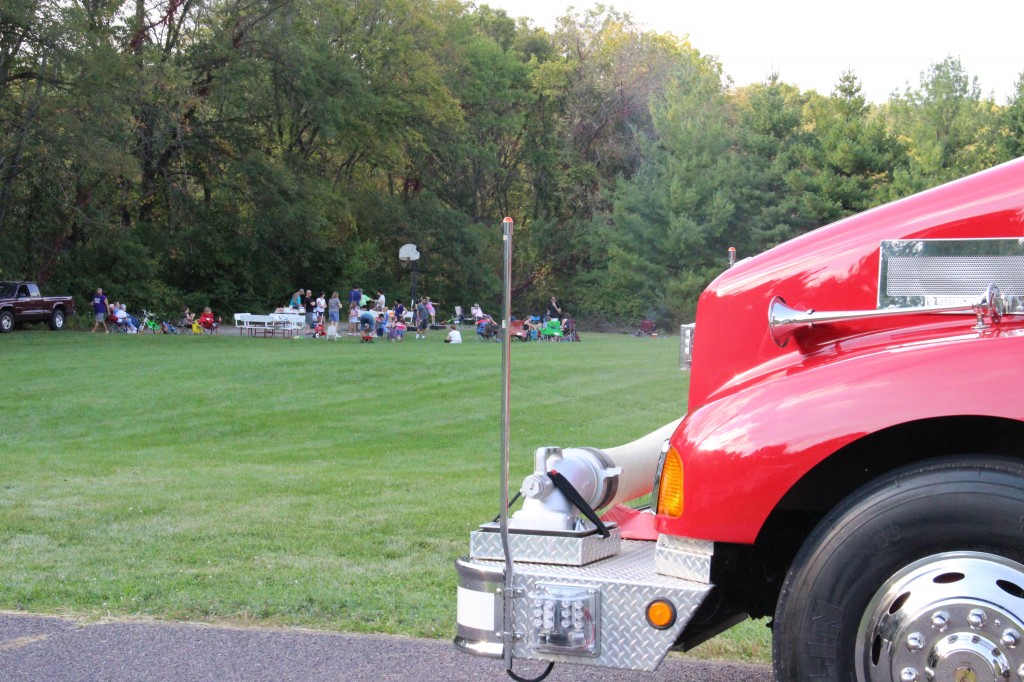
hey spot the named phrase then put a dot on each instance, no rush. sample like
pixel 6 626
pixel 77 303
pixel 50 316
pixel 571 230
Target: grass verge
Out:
pixel 270 481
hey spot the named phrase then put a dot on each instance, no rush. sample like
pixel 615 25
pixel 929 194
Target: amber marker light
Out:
pixel 661 614
pixel 670 485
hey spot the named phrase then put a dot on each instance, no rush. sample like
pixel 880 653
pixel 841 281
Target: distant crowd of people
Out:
pixel 370 317
pixel 114 316
pixel 367 316
pixel 553 325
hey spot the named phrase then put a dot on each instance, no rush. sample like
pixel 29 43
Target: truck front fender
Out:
pixel 742 453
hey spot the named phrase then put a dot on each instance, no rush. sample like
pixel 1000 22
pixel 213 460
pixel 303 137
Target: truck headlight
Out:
pixel 668 483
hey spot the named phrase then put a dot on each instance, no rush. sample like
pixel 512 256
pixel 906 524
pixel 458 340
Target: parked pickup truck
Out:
pixel 22 302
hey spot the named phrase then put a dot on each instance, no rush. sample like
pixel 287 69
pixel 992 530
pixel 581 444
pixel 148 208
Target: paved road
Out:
pixel 49 649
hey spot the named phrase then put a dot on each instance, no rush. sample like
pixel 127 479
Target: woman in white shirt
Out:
pixel 321 306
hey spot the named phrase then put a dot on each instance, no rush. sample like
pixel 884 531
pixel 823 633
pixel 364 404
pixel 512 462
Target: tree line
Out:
pixel 205 152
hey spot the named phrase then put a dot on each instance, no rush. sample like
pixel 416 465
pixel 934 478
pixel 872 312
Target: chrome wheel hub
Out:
pixel 952 617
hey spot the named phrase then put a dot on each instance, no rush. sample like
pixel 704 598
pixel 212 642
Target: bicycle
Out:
pixel 149 323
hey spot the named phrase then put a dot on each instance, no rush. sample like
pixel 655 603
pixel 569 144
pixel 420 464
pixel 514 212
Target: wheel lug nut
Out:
pixel 940 621
pixel 1010 638
pixel 909 675
pixel 915 642
pixel 976 618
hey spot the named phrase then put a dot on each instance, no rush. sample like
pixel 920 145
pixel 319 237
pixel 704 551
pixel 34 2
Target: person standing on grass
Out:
pixel 381 302
pixel 554 310
pixel 321 306
pixel 296 300
pixel 310 305
pixel 422 319
pixel 353 318
pixel 99 309
pixel 431 311
pixel 334 309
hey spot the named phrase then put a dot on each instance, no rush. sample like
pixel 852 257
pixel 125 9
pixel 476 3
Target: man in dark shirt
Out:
pixel 554 311
pixel 99 308
pixel 422 319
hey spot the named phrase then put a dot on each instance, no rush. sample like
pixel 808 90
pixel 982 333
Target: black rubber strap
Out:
pixel 562 483
pixel 532 679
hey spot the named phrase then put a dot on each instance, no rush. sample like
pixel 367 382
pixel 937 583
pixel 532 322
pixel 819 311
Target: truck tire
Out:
pixel 57 320
pixel 6 321
pixel 922 569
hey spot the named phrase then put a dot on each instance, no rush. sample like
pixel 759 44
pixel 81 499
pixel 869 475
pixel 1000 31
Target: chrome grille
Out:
pixel 950 271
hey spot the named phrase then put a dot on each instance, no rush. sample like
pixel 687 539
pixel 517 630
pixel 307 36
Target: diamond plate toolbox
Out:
pixel 565 549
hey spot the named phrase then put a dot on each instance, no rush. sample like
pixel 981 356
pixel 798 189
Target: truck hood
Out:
pixel 836 267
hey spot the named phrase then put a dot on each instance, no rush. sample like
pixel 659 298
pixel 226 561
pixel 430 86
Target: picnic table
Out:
pixel 269 325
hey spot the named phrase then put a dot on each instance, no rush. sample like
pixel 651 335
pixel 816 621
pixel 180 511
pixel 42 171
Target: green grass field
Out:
pixel 289 482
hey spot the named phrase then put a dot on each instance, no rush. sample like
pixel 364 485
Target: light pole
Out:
pixel 506 394
pixel 409 254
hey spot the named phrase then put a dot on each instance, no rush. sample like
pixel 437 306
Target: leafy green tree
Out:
pixel 1013 122
pixel 854 156
pixel 660 239
pixel 222 153
pixel 774 140
pixel 62 147
pixel 588 127
pixel 950 130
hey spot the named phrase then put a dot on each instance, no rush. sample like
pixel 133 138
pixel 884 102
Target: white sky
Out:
pixel 887 43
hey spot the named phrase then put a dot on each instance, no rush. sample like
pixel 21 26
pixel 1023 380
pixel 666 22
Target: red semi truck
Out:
pixel 851 466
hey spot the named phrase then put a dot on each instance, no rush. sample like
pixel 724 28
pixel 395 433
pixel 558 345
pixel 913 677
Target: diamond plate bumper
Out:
pixel 626 584
pixel 683 557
